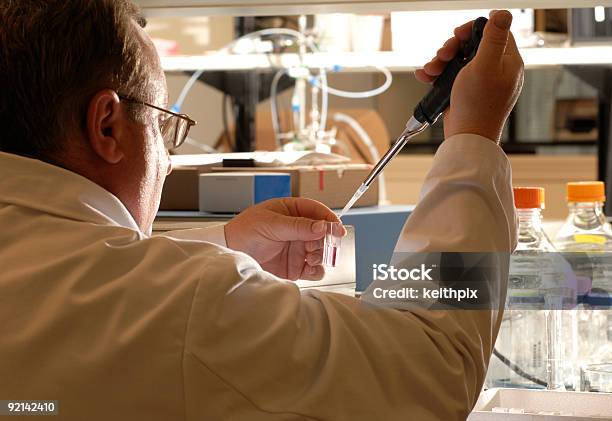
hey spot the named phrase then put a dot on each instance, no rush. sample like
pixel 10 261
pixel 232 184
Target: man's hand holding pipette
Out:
pixel 486 90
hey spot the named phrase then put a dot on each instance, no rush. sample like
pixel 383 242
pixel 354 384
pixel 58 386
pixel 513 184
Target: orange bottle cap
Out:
pixel 586 191
pixel 528 197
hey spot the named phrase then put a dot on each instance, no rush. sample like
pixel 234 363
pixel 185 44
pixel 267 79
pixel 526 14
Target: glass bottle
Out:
pixel 586 241
pixel 529 348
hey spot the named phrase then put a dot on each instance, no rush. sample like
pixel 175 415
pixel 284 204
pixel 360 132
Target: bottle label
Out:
pixel 590 239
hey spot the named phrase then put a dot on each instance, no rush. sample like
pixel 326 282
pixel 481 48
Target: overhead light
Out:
pixel 600 14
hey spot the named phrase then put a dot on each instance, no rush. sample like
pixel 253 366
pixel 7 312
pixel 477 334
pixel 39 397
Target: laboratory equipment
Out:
pixel 331 244
pixel 429 109
pixel 596 378
pixel 233 192
pixel 540 405
pixel 586 241
pixel 530 344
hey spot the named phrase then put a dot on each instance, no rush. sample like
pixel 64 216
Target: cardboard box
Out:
pixel 180 191
pixel 332 185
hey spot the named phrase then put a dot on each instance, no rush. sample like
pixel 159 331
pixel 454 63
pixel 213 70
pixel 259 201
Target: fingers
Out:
pixel 292 228
pixel 308 208
pixel 495 39
pixel 314 259
pixel 296 258
pixel 312 246
pixel 449 49
pixel 303 265
pixel 306 221
pixel 313 273
pixel 435 67
pixel 422 76
pixel 446 53
pixel 464 32
pixel 512 49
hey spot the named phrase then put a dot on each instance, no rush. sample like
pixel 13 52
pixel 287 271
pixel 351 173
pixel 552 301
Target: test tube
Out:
pixel 331 246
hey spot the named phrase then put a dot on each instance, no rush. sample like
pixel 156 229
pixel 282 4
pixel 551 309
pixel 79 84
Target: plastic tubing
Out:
pixel 356 95
pixel 192 80
pixel 273 105
pixel 344 118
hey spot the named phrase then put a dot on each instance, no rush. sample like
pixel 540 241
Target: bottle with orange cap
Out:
pixel 529 202
pixel 529 349
pixel 586 228
pixel 586 241
pixel 586 238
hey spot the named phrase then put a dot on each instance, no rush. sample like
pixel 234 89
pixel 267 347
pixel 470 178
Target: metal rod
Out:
pixel 413 127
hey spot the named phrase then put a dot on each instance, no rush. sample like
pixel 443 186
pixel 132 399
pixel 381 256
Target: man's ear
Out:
pixel 105 124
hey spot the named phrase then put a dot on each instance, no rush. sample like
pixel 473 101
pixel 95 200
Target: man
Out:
pixel 115 324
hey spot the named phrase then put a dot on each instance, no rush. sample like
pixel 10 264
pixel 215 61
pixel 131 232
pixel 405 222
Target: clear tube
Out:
pixel 382 196
pixel 181 98
pixel 324 99
pixel 273 31
pixel 332 242
pixel 357 95
pixel 273 105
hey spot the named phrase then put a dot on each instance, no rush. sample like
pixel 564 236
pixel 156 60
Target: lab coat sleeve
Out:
pixel 259 349
pixel 214 234
pixel 466 203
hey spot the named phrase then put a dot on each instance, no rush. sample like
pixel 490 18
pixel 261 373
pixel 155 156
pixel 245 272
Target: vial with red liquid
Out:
pixel 331 245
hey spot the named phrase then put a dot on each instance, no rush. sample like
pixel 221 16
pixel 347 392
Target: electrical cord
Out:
pixel 518 370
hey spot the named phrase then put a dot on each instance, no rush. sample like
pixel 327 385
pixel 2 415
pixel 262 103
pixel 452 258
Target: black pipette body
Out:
pixel 437 99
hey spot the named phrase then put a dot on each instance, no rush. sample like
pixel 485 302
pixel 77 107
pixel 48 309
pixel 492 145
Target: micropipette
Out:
pixel 429 109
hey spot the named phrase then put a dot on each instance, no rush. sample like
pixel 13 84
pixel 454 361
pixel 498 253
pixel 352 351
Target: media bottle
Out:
pixel 529 352
pixel 586 241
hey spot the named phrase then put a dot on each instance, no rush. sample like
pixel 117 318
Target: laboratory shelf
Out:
pixel 297 7
pixel 364 62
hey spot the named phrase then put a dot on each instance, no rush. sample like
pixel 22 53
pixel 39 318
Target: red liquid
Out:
pixel 330 256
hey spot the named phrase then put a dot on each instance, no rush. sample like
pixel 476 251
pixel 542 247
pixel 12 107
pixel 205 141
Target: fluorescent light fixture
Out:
pixel 600 14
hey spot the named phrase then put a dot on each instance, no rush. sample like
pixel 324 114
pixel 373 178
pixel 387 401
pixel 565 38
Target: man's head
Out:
pixel 63 65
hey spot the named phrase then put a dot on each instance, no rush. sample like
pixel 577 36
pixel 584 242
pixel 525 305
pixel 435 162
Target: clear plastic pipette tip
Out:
pixel 360 191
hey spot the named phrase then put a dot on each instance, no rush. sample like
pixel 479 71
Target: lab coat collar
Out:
pixel 34 184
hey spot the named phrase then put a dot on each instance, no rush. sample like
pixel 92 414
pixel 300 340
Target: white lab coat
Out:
pixel 119 326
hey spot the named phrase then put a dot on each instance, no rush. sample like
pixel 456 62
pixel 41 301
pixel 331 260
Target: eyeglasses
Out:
pixel 174 129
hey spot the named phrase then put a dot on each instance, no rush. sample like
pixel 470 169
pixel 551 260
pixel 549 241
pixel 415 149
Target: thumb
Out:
pixel 495 38
pixel 291 228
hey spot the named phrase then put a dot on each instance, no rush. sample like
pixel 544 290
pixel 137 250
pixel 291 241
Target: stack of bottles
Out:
pixel 586 242
pixel 557 325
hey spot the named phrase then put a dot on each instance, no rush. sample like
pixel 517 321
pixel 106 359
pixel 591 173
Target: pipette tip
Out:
pixel 360 191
